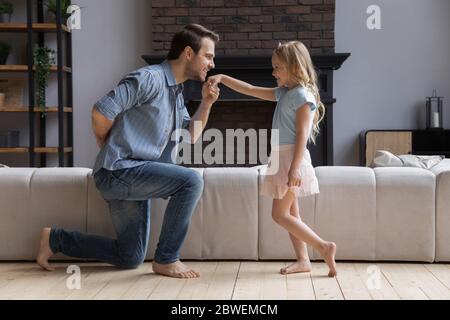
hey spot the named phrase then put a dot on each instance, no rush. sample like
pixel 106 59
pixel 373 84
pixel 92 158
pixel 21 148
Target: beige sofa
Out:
pixel 393 214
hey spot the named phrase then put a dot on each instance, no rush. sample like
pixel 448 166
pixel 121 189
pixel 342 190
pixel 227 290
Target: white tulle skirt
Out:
pixel 275 176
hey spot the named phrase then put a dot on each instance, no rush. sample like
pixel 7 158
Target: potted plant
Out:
pixel 51 10
pixel 6 10
pixel 44 57
pixel 5 50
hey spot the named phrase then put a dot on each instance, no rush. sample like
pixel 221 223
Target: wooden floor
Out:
pixel 230 280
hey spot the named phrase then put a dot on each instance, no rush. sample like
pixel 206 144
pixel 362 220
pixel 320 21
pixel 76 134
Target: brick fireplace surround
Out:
pixel 249 31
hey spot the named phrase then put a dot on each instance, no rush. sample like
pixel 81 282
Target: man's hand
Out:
pixel 215 80
pixel 210 93
pixel 101 127
pixel 100 143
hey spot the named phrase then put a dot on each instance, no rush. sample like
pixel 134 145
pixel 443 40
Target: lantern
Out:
pixel 434 112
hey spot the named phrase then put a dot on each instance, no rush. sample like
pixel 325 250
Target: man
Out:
pixel 133 125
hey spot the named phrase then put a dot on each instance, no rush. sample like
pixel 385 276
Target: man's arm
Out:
pixel 101 127
pixel 210 95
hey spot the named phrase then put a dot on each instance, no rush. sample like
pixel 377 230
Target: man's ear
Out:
pixel 188 53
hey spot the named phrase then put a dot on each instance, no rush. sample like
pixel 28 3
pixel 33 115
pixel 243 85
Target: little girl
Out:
pixel 290 173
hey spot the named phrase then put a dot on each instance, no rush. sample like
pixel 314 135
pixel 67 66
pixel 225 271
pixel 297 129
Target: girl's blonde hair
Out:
pixel 301 71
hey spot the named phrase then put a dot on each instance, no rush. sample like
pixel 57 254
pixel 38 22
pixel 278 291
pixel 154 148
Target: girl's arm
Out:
pixel 302 122
pixel 244 87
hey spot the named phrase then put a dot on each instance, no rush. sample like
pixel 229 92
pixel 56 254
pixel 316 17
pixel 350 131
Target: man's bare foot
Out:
pixel 175 270
pixel 44 250
pixel 297 267
pixel 328 252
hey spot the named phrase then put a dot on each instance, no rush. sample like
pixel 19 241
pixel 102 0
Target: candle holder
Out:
pixel 434 112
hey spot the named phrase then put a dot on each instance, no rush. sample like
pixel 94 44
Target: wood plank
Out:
pixel 223 281
pixel 300 286
pixel 29 282
pixel 97 277
pixel 260 281
pixel 8 273
pixel 195 289
pixel 25 109
pixel 441 272
pixel 13 150
pixel 37 150
pixel 168 288
pixel 404 283
pixel 39 27
pixel 120 283
pixel 385 291
pixel 325 288
pixel 144 286
pixel 60 290
pixel 430 285
pixel 23 68
pixel 249 281
pixel 274 285
pixel 352 285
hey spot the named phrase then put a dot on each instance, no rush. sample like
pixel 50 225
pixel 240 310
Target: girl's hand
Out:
pixel 294 178
pixel 215 80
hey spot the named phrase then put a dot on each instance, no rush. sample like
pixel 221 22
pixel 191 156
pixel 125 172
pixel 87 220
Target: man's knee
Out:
pixel 131 261
pixel 195 181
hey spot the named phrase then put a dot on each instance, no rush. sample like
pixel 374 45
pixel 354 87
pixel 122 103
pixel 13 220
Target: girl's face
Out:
pixel 280 71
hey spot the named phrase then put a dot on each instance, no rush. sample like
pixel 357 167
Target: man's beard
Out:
pixel 195 75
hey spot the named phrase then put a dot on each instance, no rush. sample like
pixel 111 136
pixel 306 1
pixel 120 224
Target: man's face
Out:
pixel 202 62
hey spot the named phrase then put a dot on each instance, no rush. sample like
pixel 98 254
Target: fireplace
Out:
pixel 249 31
pixel 234 111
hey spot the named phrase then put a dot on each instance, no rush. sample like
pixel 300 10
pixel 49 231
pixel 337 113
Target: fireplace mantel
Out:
pixel 322 61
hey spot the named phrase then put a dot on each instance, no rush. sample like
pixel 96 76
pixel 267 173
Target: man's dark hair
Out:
pixel 191 36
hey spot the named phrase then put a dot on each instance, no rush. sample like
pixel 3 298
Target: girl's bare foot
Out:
pixel 297 267
pixel 175 270
pixel 328 252
pixel 44 250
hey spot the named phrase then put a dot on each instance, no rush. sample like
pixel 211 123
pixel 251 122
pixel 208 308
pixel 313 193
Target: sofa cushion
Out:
pixel 32 199
pixel 442 172
pixel 405 218
pixel 230 213
pixel 346 211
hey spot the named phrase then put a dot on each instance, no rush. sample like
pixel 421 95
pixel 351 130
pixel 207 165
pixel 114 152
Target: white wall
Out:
pixel 383 85
pixel 113 36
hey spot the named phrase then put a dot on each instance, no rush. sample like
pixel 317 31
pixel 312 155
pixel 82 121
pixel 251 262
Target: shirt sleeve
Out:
pixel 302 97
pixel 186 119
pixel 280 92
pixel 133 90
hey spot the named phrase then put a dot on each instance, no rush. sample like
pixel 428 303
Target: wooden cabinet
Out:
pixel 419 142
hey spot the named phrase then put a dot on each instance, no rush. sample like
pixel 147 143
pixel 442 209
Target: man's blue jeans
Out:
pixel 128 193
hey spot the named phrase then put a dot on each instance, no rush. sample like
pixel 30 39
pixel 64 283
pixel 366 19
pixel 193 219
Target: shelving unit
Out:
pixel 64 108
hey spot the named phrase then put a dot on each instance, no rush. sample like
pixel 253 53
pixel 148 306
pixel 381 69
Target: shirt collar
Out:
pixel 170 78
pixel 168 73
